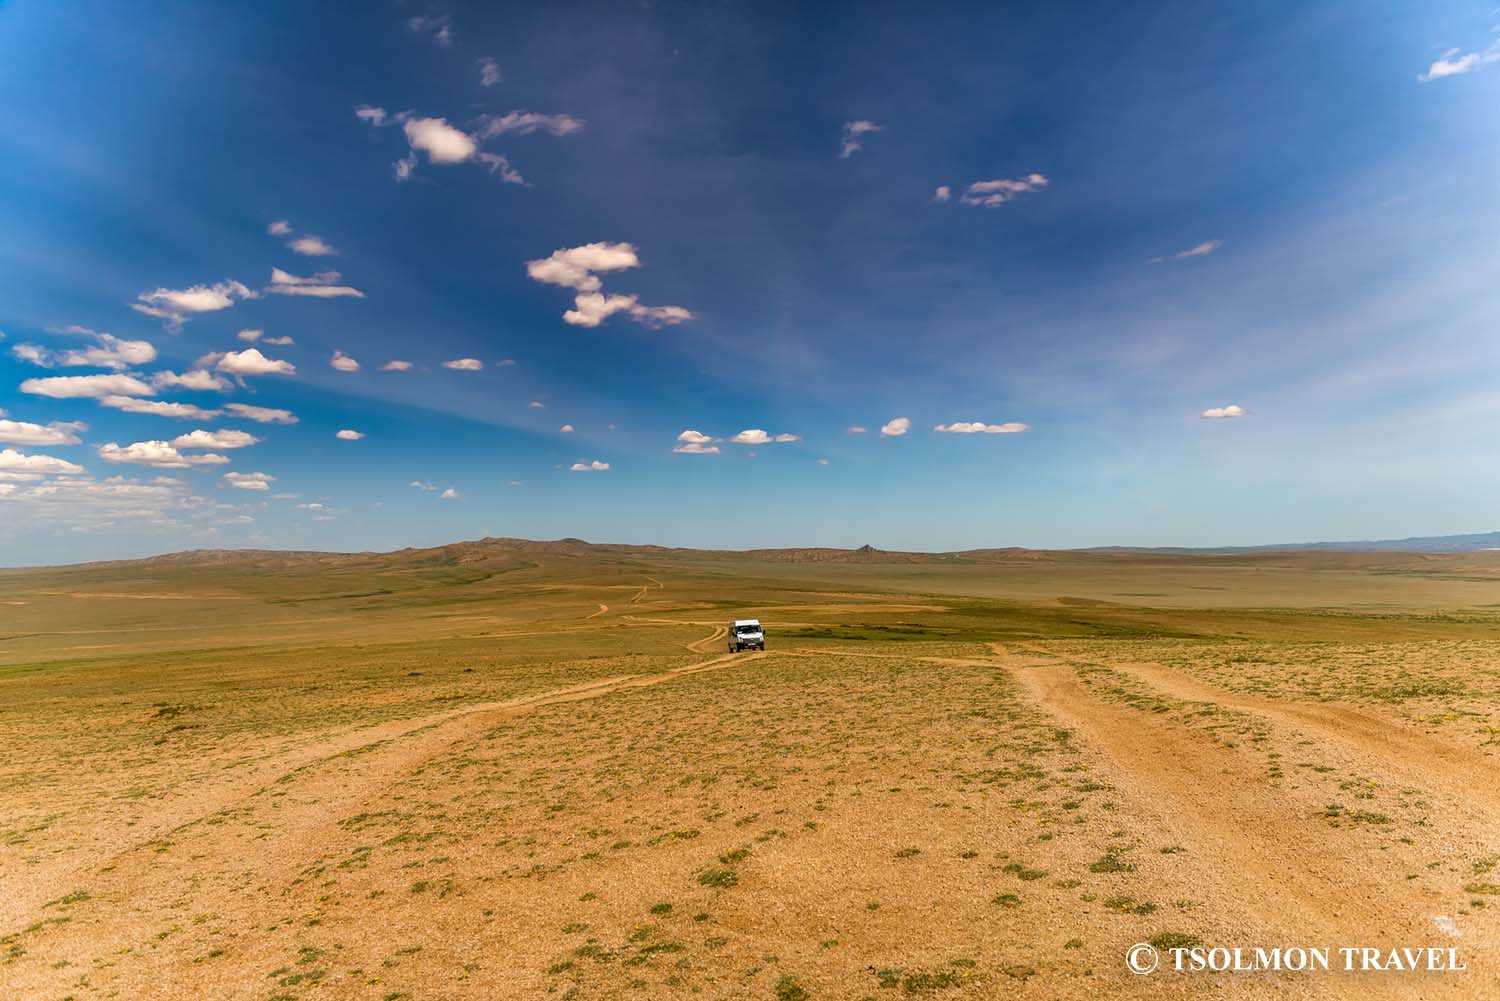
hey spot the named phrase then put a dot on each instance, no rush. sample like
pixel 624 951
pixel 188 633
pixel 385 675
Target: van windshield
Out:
pixel 747 629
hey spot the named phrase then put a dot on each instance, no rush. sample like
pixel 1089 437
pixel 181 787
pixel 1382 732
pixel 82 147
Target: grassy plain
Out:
pixel 497 770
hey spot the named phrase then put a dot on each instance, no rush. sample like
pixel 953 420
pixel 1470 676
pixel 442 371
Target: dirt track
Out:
pixel 1300 879
pixel 391 748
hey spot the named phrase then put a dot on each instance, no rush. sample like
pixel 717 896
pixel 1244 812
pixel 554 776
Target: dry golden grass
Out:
pixel 521 775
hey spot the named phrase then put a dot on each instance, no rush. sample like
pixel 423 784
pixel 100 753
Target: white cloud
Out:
pixel 250 335
pixel 942 194
pixel 215 439
pixel 574 267
pixel 396 365
pixel 979 427
pixel 347 435
pixel 323 285
pixel 439 26
pixel 281 227
pixel 992 194
pixel 157 408
pixel 197 379
pixel 464 364
pixel 108 352
pixel 692 437
pixel 311 246
pixel 822 462
pixel 280 342
pixel 34 354
pixel 755 436
pixel 850 136
pixel 12 461
pixel 856 429
pixel 56 433
pixel 489 72
pixel 250 481
pixel 536 405
pixel 589 467
pixel 449 494
pixel 111 352
pixel 527 122
pixel 442 143
pixel 1221 413
pixel 176 305
pixel 66 387
pixel 1200 250
pixel 421 485
pixel 696 448
pixel 1454 64
pixel 896 427
pixel 566 429
pixel 343 362
pixel 577 268
pixel 592 308
pixel 263 415
pixel 249 362
pixel 158 454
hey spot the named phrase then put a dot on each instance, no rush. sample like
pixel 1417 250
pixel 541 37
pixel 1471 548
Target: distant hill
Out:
pixel 1476 543
pixel 492 549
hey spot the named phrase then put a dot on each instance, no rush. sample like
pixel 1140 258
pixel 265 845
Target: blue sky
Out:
pixel 1078 228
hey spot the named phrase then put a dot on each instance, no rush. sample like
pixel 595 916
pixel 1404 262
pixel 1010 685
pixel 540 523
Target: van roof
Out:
pixel 747 622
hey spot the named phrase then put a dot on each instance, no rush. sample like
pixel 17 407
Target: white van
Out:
pixel 746 634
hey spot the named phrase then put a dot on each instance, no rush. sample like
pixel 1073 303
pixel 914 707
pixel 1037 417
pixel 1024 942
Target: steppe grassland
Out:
pixel 343 791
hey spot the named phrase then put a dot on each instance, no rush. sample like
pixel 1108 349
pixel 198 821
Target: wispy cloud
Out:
pixel 396 365
pixel 1455 63
pixel 994 193
pixel 177 306
pixel 1199 250
pixel 588 466
pixel 157 408
pixel 439 27
pixel 979 427
pixel 851 136
pixel 526 122
pixel 464 364
pixel 262 415
pixel 323 285
pixel 489 72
